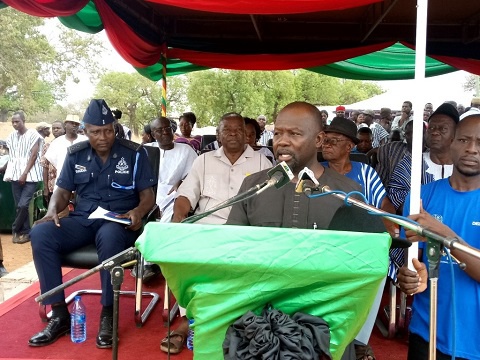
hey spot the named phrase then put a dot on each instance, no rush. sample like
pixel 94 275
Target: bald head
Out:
pixel 305 111
pixel 298 136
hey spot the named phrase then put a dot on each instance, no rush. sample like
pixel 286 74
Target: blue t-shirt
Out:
pixel 459 211
pixel 369 180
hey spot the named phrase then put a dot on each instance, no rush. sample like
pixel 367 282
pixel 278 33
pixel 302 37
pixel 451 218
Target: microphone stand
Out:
pixel 448 242
pixel 255 190
pixel 113 264
pixel 434 247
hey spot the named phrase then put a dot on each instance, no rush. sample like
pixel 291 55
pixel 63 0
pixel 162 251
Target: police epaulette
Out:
pixel 72 149
pixel 129 144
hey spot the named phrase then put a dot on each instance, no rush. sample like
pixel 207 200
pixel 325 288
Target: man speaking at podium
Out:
pixel 297 137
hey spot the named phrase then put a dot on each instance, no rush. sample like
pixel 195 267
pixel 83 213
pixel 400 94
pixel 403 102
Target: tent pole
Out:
pixel 419 95
pixel 163 59
pixel 420 100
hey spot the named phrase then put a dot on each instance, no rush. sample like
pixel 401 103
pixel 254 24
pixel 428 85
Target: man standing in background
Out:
pixel 57 151
pixel 265 135
pixel 49 171
pixel 24 171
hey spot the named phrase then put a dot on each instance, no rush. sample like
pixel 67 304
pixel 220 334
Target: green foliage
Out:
pixel 353 91
pixel 317 89
pixel 137 97
pixel 212 93
pixel 32 70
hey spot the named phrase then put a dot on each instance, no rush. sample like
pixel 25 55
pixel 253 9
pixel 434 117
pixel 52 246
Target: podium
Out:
pixel 219 272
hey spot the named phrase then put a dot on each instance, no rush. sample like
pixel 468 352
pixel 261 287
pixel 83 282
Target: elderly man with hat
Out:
pixel 437 161
pixel 340 138
pixel 104 172
pixel 380 135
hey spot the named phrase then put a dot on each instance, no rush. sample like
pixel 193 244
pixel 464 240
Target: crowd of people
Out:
pixel 104 168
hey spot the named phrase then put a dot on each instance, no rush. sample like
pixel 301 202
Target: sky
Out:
pixel 449 86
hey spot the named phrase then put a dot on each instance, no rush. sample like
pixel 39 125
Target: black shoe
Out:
pixel 105 333
pixel 150 271
pixel 3 271
pixel 56 327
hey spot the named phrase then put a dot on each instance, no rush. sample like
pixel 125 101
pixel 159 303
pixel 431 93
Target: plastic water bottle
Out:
pixel 78 317
pixel 190 334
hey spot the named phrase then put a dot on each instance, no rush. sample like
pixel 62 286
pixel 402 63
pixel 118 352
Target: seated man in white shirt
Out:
pixel 175 162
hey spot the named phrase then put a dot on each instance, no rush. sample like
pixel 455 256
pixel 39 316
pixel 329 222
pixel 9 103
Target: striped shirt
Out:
pixel 399 185
pixel 379 134
pixel 264 137
pixel 20 150
pixel 368 178
pixel 388 156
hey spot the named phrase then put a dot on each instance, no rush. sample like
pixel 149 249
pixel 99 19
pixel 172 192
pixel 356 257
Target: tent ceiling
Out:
pixel 451 24
pixel 327 36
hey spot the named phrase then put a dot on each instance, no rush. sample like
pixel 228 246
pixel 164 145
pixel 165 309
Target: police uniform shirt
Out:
pixel 112 185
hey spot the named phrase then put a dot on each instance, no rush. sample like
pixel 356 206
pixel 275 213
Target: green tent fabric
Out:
pixel 86 20
pixel 174 67
pixel 396 62
pixel 219 272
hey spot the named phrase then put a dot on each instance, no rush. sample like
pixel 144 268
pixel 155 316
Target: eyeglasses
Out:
pixel 440 129
pixel 162 130
pixel 332 141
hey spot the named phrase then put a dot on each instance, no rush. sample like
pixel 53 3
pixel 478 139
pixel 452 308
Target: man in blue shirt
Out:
pixel 105 171
pixel 450 208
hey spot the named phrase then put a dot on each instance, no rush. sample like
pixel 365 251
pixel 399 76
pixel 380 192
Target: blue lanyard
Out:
pixel 116 185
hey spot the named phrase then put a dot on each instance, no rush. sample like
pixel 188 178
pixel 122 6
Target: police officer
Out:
pixel 103 171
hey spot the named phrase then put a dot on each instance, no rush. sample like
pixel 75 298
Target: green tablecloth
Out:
pixel 219 272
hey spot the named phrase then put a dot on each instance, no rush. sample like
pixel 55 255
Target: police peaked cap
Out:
pixel 98 113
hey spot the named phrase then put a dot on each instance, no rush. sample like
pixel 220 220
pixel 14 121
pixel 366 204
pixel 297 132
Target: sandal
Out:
pixel 364 352
pixel 177 340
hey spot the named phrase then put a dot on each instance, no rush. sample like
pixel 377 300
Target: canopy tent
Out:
pixel 358 39
pixel 394 97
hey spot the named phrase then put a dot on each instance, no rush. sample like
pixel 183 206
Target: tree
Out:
pixel 212 93
pixel 32 70
pixel 353 91
pixel 472 83
pixel 317 89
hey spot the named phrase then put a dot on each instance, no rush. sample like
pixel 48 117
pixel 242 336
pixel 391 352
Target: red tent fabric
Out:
pixel 265 6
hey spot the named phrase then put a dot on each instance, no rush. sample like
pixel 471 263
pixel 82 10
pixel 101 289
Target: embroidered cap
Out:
pixel 98 113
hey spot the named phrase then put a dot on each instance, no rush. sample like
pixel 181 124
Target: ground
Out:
pixel 15 255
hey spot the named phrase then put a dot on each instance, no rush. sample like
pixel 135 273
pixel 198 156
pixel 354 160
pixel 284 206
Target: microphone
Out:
pixel 306 182
pixel 279 176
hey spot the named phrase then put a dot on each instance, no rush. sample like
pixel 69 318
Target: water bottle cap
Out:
pixel 191 321
pixel 77 297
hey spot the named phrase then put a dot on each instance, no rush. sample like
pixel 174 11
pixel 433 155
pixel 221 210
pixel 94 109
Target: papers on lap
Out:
pixel 101 213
